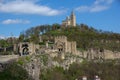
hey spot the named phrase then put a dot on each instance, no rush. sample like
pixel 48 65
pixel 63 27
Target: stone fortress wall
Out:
pixel 22 48
pixel 62 44
pixel 97 54
pixel 90 54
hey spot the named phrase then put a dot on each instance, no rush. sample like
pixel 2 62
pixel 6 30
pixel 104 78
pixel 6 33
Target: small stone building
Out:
pixel 63 45
pixel 27 48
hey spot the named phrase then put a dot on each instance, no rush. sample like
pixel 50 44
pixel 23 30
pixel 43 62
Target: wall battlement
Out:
pixel 60 37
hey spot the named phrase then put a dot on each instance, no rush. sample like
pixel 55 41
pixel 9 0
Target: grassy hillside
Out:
pixel 88 37
pixel 85 36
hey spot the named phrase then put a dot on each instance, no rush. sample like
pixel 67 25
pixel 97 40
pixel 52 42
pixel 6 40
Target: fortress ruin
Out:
pixel 60 45
pixel 63 45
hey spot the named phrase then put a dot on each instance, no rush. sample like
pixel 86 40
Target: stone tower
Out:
pixel 63 45
pixel 73 19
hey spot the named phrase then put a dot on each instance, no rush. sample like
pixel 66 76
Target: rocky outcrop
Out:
pixel 33 68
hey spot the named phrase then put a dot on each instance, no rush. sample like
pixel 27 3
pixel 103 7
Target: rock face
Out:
pixel 33 68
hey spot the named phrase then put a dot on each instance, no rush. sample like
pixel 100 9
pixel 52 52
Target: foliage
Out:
pixel 4 43
pixel 44 58
pixel 106 71
pixel 23 60
pixel 20 61
pixel 21 38
pixel 14 72
pixel 28 58
pixel 58 59
pixel 41 43
pixel 88 37
pixel 53 74
pixel 6 53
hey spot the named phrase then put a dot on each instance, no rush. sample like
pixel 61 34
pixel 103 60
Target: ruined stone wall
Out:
pixel 61 38
pixel 111 55
pixel 69 46
pixel 73 47
pixel 31 47
pixel 92 54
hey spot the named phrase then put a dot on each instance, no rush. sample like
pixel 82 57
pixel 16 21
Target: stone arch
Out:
pixel 60 46
pixel 25 51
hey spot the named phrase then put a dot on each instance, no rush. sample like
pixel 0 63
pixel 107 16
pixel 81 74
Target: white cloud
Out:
pixel 83 8
pixel 15 21
pixel 97 2
pixel 97 6
pixel 27 7
pixel 2 37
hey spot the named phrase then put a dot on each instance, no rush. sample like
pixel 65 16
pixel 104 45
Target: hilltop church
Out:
pixel 69 21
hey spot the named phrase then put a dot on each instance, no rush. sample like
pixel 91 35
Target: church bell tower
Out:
pixel 73 19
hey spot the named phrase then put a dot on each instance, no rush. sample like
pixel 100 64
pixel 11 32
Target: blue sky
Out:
pixel 18 15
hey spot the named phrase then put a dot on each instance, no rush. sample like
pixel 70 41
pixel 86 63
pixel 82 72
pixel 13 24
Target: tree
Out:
pixel 21 38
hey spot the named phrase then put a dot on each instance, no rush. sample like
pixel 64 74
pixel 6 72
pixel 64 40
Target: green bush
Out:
pixel 14 72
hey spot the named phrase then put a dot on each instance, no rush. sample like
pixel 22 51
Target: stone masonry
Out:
pixel 63 45
pixel 26 48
